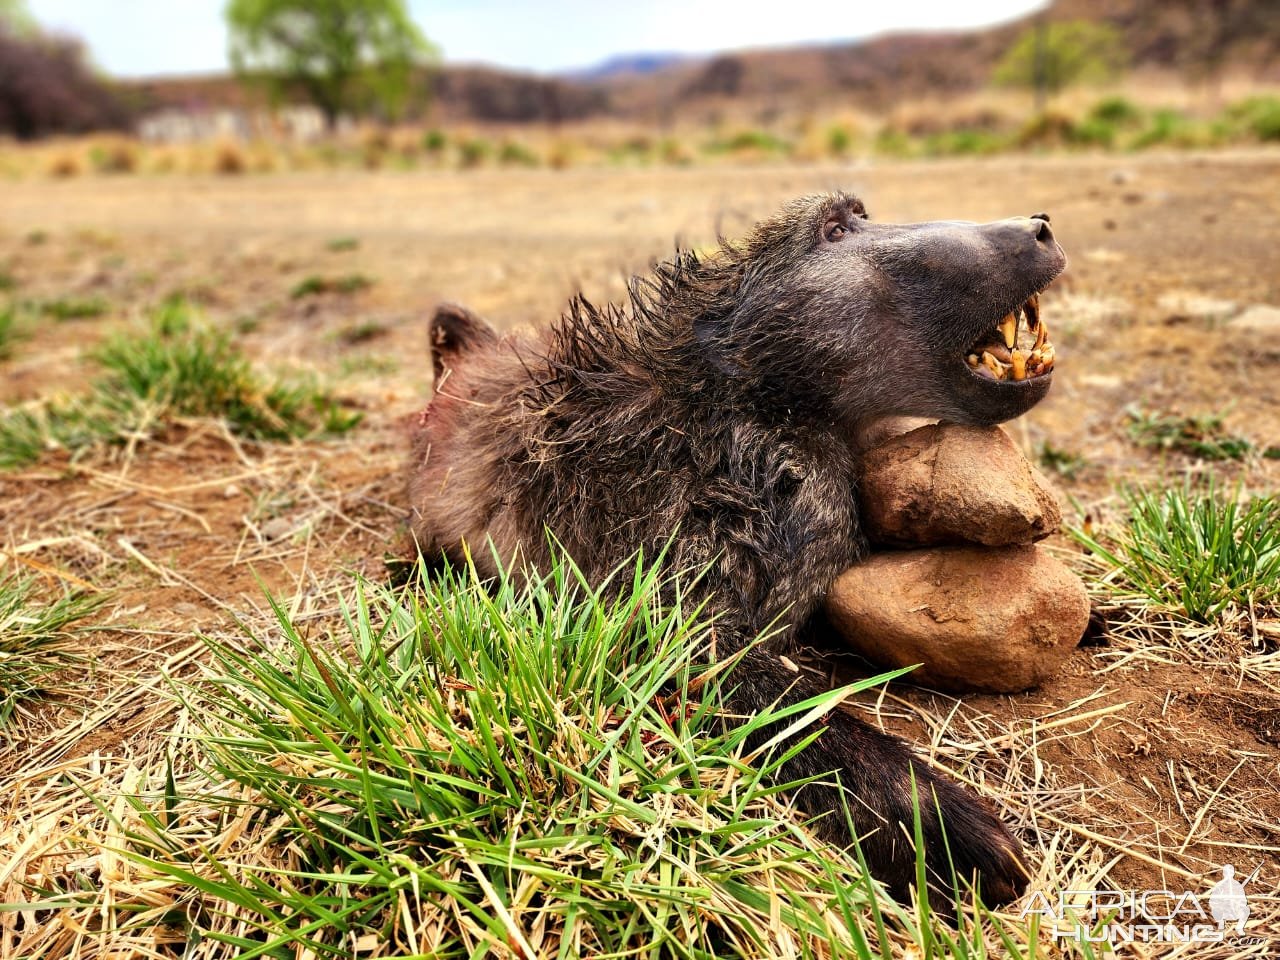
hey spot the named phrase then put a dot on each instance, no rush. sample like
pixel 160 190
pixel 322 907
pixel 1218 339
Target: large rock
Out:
pixel 982 619
pixel 947 483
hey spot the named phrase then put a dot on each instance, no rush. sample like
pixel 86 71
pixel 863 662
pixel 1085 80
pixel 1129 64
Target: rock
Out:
pixel 978 619
pixel 1187 305
pixel 1259 318
pixel 948 483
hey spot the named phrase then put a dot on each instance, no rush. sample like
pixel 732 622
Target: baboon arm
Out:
pixel 869 773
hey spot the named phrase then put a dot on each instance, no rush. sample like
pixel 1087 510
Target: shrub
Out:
pixel 513 154
pixel 474 152
pixel 1259 116
pixel 1048 129
pixel 963 143
pixel 1116 111
pixel 229 159
pixel 1166 126
pixel 749 141
pixel 434 141
pixel 64 165
pixel 839 140
pixel 47 88
pixel 1093 131
pixel 116 156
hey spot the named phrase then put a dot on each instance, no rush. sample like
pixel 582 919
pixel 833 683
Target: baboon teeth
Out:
pixel 1031 310
pixel 1019 362
pixel 1018 348
pixel 1009 327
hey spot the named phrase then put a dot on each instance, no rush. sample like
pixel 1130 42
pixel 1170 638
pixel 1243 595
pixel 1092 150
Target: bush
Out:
pixel 1166 126
pixel 1116 112
pixel 513 154
pixel 1048 129
pixel 229 159
pixel 434 142
pixel 1093 131
pixel 46 88
pixel 1259 116
pixel 474 152
pixel 839 140
pixel 116 156
pixel 963 143
pixel 749 141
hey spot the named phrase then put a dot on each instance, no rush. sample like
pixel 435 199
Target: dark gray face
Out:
pixel 944 315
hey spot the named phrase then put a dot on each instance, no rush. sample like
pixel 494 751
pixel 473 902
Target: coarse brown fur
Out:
pixel 718 405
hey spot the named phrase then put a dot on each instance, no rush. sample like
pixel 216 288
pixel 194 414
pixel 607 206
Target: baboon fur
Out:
pixel 719 404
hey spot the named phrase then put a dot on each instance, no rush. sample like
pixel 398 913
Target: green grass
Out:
pixel 316 284
pixel 1193 554
pixel 342 244
pixel 1201 435
pixel 175 369
pixel 470 768
pixel 11 330
pixel 35 639
pixel 74 309
pixel 1066 463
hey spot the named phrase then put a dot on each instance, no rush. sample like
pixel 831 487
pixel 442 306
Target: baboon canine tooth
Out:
pixel 1032 309
pixel 1019 361
pixel 1009 329
pixel 1042 333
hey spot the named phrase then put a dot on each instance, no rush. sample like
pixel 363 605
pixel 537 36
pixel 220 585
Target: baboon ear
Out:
pixel 455 330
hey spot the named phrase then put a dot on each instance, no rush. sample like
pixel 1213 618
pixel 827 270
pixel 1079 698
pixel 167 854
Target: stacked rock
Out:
pixel 962 588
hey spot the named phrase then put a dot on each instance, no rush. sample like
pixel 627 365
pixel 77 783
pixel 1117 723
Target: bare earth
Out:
pixel 1140 766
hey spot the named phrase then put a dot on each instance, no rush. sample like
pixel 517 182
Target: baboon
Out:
pixel 719 403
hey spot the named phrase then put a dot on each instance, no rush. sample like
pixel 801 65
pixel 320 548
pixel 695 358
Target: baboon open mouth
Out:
pixel 1017 349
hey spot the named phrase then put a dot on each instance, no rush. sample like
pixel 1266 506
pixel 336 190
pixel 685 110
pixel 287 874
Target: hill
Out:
pixel 1197 39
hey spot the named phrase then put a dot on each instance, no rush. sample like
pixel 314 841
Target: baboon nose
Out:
pixel 1044 233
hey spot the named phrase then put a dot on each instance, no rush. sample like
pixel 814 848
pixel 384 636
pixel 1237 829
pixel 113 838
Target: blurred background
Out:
pixel 276 85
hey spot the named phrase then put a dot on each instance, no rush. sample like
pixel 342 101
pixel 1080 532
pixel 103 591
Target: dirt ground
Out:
pixel 1140 766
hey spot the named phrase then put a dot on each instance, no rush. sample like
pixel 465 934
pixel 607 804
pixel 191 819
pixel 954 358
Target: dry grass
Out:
pixel 1151 761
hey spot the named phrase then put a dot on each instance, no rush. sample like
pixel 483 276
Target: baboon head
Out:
pixel 937 319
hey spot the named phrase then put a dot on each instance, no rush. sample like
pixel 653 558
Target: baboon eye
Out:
pixel 834 230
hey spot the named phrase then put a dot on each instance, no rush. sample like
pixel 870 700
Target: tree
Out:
pixel 1051 56
pixel 345 55
pixel 47 86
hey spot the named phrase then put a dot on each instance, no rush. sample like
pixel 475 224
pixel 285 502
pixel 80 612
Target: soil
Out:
pixel 1175 759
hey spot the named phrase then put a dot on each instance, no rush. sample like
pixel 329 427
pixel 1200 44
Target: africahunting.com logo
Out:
pixel 1148 916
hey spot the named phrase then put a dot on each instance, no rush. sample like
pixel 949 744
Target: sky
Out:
pixel 149 37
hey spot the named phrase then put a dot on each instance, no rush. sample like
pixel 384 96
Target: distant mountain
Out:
pixel 1194 38
pixel 627 64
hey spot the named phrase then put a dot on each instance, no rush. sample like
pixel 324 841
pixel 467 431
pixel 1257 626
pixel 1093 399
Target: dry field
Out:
pixel 1150 762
